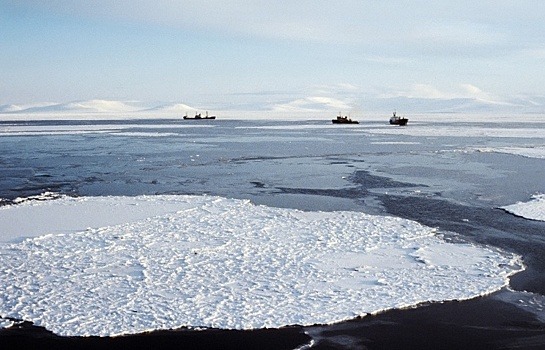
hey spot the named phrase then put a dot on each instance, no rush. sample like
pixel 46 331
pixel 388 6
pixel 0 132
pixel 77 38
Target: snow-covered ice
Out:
pixel 115 129
pixel 530 151
pixel 71 214
pixel 203 261
pixel 534 209
pixel 460 130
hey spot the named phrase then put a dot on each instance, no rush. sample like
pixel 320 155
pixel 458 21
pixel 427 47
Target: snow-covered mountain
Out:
pixel 410 105
pixel 92 106
pixel 454 105
pixel 310 104
pixel 313 103
pixel 177 107
pixel 93 109
pixel 13 108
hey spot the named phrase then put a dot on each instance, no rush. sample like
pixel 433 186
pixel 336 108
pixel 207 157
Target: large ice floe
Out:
pixel 208 261
pixel 533 210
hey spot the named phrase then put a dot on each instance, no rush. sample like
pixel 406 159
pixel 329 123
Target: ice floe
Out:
pixel 203 261
pixel 115 129
pixel 461 131
pixel 534 209
pixel 530 152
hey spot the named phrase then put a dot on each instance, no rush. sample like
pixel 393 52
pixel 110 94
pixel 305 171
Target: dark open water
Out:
pixel 438 181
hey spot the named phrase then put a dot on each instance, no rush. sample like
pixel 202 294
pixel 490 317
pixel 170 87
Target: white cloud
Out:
pixel 351 21
pixel 535 53
pixel 339 89
pixel 458 34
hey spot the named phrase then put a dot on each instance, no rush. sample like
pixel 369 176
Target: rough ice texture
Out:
pixel 230 264
pixel 534 209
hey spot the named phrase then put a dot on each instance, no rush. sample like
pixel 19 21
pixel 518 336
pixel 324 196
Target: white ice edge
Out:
pixel 35 130
pixel 225 263
pixel 533 209
pixel 528 151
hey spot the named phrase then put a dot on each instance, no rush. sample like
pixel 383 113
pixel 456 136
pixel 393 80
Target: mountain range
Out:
pixel 306 104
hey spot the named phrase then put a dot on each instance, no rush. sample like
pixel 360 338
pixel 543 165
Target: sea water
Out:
pixel 452 178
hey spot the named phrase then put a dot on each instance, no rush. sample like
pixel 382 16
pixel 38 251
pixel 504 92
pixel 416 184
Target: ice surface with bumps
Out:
pixel 205 261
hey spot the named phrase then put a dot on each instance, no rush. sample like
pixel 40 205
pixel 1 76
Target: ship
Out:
pixel 199 116
pixel 343 120
pixel 395 120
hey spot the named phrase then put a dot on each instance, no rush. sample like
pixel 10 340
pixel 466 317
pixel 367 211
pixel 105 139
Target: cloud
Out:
pixel 268 45
pixel 461 33
pixel 299 20
pixel 351 21
pixel 339 90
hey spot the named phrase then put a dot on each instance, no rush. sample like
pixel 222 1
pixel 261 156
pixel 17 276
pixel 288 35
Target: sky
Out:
pixel 272 54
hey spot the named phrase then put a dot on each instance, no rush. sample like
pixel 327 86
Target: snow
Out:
pixel 178 107
pixel 534 209
pixel 29 130
pixel 528 151
pixel 98 106
pixel 92 109
pixel 70 214
pixel 6 323
pixel 76 106
pixel 10 108
pixel 425 130
pixel 117 265
pixel 312 104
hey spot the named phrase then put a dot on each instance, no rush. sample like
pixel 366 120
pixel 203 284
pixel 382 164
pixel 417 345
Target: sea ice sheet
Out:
pixel 231 264
pixel 533 210
pixel 528 151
